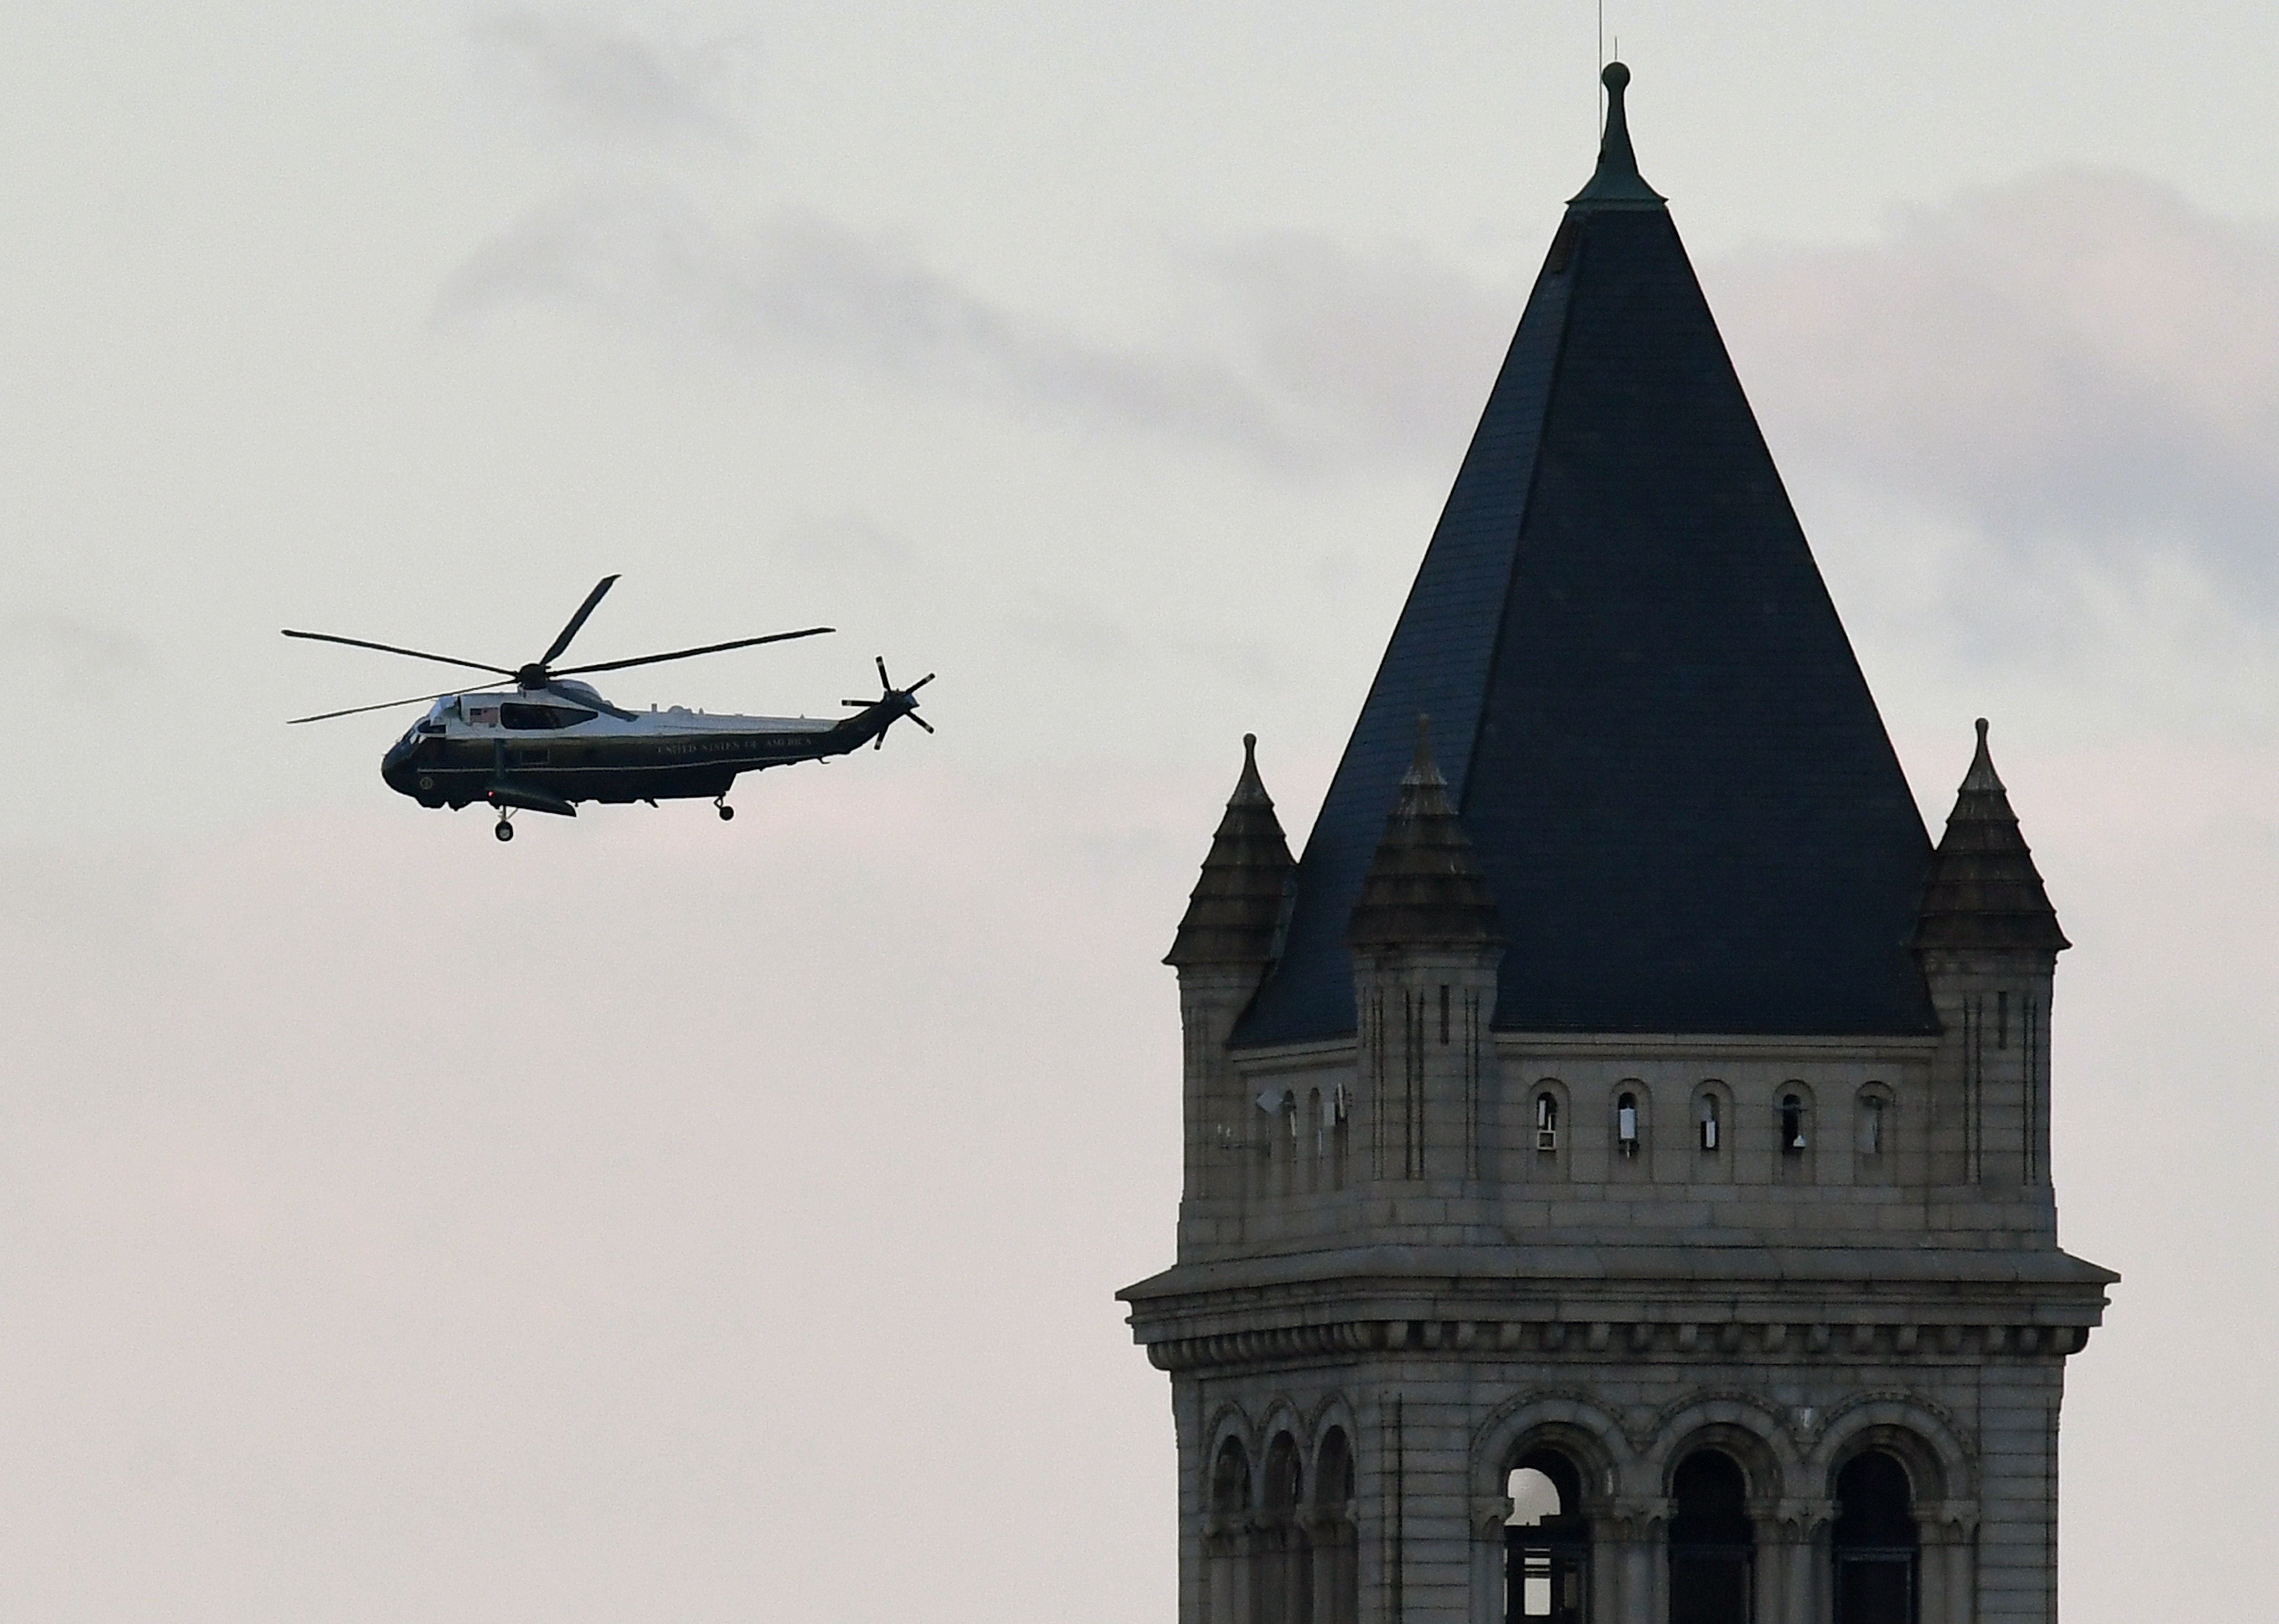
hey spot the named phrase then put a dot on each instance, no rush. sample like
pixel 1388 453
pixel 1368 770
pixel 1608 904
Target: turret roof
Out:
pixel 1984 892
pixel 1675 780
pixel 1423 887
pixel 1237 910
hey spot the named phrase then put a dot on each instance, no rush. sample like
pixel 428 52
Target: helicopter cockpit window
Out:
pixel 532 718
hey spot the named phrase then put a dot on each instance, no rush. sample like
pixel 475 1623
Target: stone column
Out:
pixel 1329 1534
pixel 1949 1534
pixel 1227 1543
pixel 1605 1600
pixel 1794 1537
pixel 1642 1586
pixel 1491 1514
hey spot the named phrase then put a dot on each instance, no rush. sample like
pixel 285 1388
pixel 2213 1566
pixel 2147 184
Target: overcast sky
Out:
pixel 664 1219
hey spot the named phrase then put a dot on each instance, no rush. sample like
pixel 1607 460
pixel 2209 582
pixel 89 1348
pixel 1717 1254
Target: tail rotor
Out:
pixel 902 700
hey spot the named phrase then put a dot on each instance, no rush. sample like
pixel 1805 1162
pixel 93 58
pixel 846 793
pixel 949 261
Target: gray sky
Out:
pixel 659 1219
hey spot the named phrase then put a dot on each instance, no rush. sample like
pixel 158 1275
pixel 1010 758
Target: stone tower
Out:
pixel 1617 1176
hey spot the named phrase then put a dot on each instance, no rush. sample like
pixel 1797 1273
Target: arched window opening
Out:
pixel 1871 1125
pixel 1711 1125
pixel 1546 1121
pixel 1317 1135
pixel 1626 1125
pixel 1792 1124
pixel 1546 1541
pixel 1286 1155
pixel 1341 1135
pixel 1337 1545
pixel 1712 1546
pixel 1877 1546
pixel 1282 1554
pixel 1230 1482
pixel 1227 1534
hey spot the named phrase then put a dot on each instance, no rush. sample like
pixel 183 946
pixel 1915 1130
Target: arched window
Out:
pixel 1709 1129
pixel 1287 1152
pixel 1226 1535
pixel 1793 1141
pixel 1875 1131
pixel 1317 1141
pixel 1282 1554
pixel 1877 1546
pixel 1546 1123
pixel 1546 1541
pixel 1626 1125
pixel 1337 1545
pixel 1712 1546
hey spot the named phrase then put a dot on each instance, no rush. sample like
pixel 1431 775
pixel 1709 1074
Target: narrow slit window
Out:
pixel 2001 1020
pixel 1546 1121
pixel 1871 1126
pixel 1709 1124
pixel 1444 1012
pixel 1791 1123
pixel 1626 1123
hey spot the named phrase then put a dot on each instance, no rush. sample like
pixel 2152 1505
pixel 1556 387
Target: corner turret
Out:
pixel 1989 939
pixel 1425 943
pixel 1227 940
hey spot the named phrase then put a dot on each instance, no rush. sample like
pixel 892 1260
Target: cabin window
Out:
pixel 1546 1121
pixel 1709 1125
pixel 542 718
pixel 1626 1123
pixel 1791 1123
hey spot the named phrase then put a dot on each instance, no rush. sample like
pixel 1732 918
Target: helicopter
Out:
pixel 554 741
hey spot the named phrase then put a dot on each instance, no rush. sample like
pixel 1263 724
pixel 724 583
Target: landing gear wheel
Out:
pixel 504 831
pixel 727 811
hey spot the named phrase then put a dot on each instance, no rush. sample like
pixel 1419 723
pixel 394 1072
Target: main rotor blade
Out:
pixel 416 654
pixel 554 651
pixel 416 698
pixel 690 653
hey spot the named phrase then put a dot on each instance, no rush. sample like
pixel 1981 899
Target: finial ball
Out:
pixel 1615 76
pixel 1982 730
pixel 1249 742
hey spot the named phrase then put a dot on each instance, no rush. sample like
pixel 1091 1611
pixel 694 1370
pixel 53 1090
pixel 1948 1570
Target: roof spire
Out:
pixel 1235 914
pixel 1984 892
pixel 1617 184
pixel 1424 886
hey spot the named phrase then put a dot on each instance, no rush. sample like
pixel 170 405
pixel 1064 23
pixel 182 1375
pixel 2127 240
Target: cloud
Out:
pixel 609 75
pixel 594 1215
pixel 1389 354
pixel 2076 367
pixel 55 654
pixel 2071 382
pixel 641 254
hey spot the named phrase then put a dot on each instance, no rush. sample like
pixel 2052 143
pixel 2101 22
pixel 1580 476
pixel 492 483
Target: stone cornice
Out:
pixel 1617 1342
pixel 1646 1045
pixel 1698 1269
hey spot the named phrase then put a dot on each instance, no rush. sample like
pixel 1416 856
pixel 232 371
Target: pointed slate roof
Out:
pixel 1237 910
pixel 1984 892
pixel 1424 887
pixel 1675 780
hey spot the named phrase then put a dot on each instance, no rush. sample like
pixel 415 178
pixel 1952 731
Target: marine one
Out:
pixel 1617 1177
pixel 555 741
